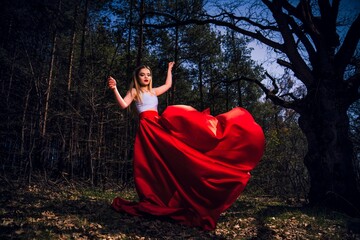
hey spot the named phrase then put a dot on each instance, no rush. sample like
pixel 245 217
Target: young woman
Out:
pixel 188 165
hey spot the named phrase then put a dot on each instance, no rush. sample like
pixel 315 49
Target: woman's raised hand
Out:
pixel 111 83
pixel 170 65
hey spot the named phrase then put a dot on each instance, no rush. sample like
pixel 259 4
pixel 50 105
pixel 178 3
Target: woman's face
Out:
pixel 144 77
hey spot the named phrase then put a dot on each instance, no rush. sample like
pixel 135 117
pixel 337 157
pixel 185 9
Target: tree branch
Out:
pixel 212 20
pixel 273 81
pixel 270 94
pixel 353 85
pixel 300 68
pixel 328 12
pixel 300 34
pixel 348 47
pixel 244 19
pixel 285 64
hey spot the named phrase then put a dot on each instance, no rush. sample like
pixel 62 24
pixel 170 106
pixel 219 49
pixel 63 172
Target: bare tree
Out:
pixel 308 44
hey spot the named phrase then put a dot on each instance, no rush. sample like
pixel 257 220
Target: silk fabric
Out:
pixel 191 166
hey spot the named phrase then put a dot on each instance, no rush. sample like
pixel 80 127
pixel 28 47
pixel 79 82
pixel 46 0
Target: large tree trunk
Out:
pixel 330 152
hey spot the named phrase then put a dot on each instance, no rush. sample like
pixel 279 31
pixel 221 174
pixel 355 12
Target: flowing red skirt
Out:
pixel 191 166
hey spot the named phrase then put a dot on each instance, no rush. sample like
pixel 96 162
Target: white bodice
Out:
pixel 149 102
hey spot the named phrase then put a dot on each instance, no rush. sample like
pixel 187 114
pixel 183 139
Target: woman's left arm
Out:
pixel 162 89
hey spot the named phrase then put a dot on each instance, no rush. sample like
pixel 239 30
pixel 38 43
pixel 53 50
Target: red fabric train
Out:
pixel 191 166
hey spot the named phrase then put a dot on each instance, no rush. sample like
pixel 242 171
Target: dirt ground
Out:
pixel 53 211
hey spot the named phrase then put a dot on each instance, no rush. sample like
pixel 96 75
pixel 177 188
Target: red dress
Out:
pixel 191 166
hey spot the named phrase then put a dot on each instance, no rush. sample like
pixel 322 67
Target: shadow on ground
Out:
pixel 58 212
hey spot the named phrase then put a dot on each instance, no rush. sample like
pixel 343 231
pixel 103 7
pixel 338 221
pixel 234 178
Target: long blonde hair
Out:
pixel 135 82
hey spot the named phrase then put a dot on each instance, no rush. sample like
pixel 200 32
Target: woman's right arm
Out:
pixel 162 89
pixel 123 102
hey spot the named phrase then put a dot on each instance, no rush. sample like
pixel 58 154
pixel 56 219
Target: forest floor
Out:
pixel 66 211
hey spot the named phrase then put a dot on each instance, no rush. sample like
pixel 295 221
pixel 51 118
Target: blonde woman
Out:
pixel 188 165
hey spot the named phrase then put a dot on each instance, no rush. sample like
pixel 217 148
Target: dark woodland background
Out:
pixel 59 122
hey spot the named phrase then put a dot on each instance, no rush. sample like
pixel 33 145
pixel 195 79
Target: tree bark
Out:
pixel 72 50
pixel 49 84
pixel 141 33
pixel 201 85
pixel 176 57
pixel 128 47
pixel 329 159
